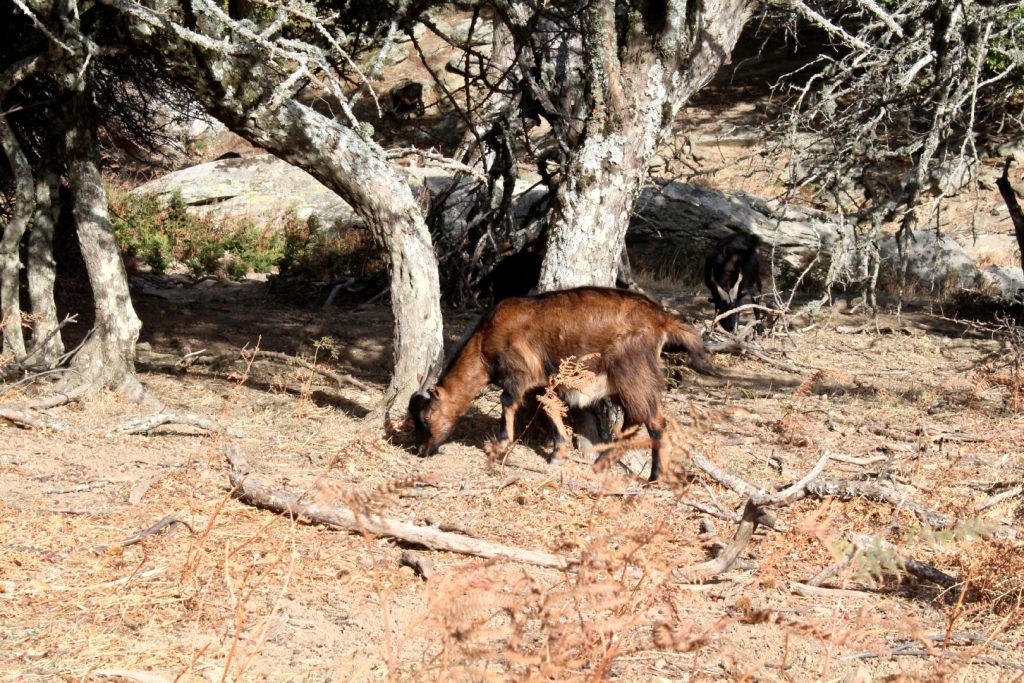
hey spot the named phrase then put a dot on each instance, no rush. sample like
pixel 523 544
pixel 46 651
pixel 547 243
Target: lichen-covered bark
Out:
pixel 42 269
pixel 10 263
pixel 107 360
pixel 638 89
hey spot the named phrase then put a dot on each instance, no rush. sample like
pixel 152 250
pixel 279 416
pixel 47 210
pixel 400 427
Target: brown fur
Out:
pixel 519 344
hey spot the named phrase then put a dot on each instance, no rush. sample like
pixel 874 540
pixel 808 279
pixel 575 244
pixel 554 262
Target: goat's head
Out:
pixel 431 420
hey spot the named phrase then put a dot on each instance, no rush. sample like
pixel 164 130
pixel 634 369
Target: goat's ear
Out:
pixel 436 392
pixel 417 402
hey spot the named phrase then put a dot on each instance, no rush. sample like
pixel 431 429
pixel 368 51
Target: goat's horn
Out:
pixel 734 292
pixel 724 294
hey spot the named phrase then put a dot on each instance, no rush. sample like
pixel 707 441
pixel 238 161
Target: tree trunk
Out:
pixel 356 169
pixel 10 263
pixel 637 89
pixel 42 269
pixel 107 360
pixel 1016 215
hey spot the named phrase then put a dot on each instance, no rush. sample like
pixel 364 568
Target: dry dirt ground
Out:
pixel 249 595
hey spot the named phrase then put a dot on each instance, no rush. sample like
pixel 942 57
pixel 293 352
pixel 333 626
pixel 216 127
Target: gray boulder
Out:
pixel 938 264
pixel 261 188
pixel 1004 282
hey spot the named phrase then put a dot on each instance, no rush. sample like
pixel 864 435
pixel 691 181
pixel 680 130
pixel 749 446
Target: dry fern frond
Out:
pixel 818 381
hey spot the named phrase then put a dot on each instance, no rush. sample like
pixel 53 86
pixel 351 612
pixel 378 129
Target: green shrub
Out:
pixel 309 252
pixel 161 234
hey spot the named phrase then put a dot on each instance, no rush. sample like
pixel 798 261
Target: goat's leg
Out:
pixel 757 296
pixel 559 440
pixel 509 405
pixel 655 428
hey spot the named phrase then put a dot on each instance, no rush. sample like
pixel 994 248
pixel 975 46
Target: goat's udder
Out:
pixel 598 389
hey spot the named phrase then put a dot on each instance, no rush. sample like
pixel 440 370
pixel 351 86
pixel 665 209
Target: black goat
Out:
pixel 407 98
pixel 731 271
pixel 515 275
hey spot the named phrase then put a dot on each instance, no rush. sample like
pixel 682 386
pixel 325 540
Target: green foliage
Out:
pixel 879 560
pixel 312 253
pixel 162 235
pixel 999 53
pixel 965 530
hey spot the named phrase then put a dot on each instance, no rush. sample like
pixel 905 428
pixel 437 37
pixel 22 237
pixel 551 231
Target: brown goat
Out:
pixel 616 334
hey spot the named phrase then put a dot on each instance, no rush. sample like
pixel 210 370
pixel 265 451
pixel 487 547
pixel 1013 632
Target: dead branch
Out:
pixel 796 491
pixel 742 309
pixel 696 573
pixel 920 570
pixel 23 362
pixel 28 420
pixel 727 480
pixel 847 489
pixel 998 498
pixel 740 348
pixel 142 425
pixel 246 489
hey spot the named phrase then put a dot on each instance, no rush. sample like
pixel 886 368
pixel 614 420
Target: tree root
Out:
pixel 143 425
pixel 136 425
pixel 27 420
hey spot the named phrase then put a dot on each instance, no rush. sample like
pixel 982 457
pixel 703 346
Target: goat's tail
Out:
pixel 683 337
